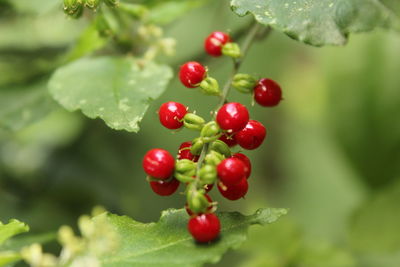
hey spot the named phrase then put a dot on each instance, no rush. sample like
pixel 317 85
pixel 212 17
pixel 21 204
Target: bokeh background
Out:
pixel 332 154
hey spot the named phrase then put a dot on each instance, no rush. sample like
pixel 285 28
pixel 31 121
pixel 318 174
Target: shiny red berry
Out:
pixel 246 162
pixel 205 227
pixel 231 171
pixel 234 192
pixel 191 213
pixel 171 115
pixel 191 74
pixel 214 42
pixel 165 187
pixel 252 135
pixel 267 93
pixel 232 117
pixel 158 163
pixel 229 140
pixel 208 187
pixel 184 152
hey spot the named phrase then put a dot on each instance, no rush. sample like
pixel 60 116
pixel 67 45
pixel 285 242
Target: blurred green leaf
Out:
pixel 319 22
pixel 118 90
pixel 89 41
pixel 21 106
pixel 375 223
pixel 167 12
pixel 7 257
pixel 168 243
pixel 13 227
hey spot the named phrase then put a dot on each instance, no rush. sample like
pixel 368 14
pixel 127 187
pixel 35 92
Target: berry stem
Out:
pixel 255 28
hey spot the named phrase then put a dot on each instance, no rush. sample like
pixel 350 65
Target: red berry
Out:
pixel 158 163
pixel 231 171
pixel 229 140
pixel 246 162
pixel 191 74
pixel 267 93
pixel 171 115
pixel 214 42
pixel 208 209
pixel 252 135
pixel 232 117
pixel 184 152
pixel 165 187
pixel 234 192
pixel 205 227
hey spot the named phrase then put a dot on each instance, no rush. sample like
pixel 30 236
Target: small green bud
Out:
pixel 213 158
pixel 183 178
pixel 185 166
pixel 208 174
pixel 197 202
pixel 197 146
pixel 231 50
pixel 111 3
pixel 193 121
pixel 221 147
pixel 244 83
pixel 210 131
pixel 92 4
pixel 210 86
pixel 73 8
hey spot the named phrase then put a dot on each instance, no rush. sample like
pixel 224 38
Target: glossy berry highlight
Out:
pixel 232 117
pixel 252 136
pixel 158 163
pixel 267 93
pixel 164 187
pixel 234 192
pixel 171 115
pixel 192 73
pixel 214 43
pixel 231 171
pixel 205 227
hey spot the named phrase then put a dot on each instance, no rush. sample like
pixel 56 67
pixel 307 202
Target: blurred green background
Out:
pixel 332 154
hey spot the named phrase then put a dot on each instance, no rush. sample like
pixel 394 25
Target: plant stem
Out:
pixel 238 62
pixel 255 28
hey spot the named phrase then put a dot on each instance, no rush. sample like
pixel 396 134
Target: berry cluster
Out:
pixel 209 159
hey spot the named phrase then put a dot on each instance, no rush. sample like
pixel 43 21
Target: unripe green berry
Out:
pixel 210 86
pixel 208 174
pixel 197 201
pixel 193 121
pixel 197 146
pixel 221 147
pixel 92 4
pixel 210 132
pixel 185 166
pixel 183 178
pixel 73 8
pixel 244 83
pixel 231 50
pixel 213 158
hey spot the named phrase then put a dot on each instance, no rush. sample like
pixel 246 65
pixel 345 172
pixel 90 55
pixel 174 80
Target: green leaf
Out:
pixel 115 89
pixel 374 224
pixel 21 106
pixel 168 243
pixel 320 22
pixel 13 227
pixel 7 257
